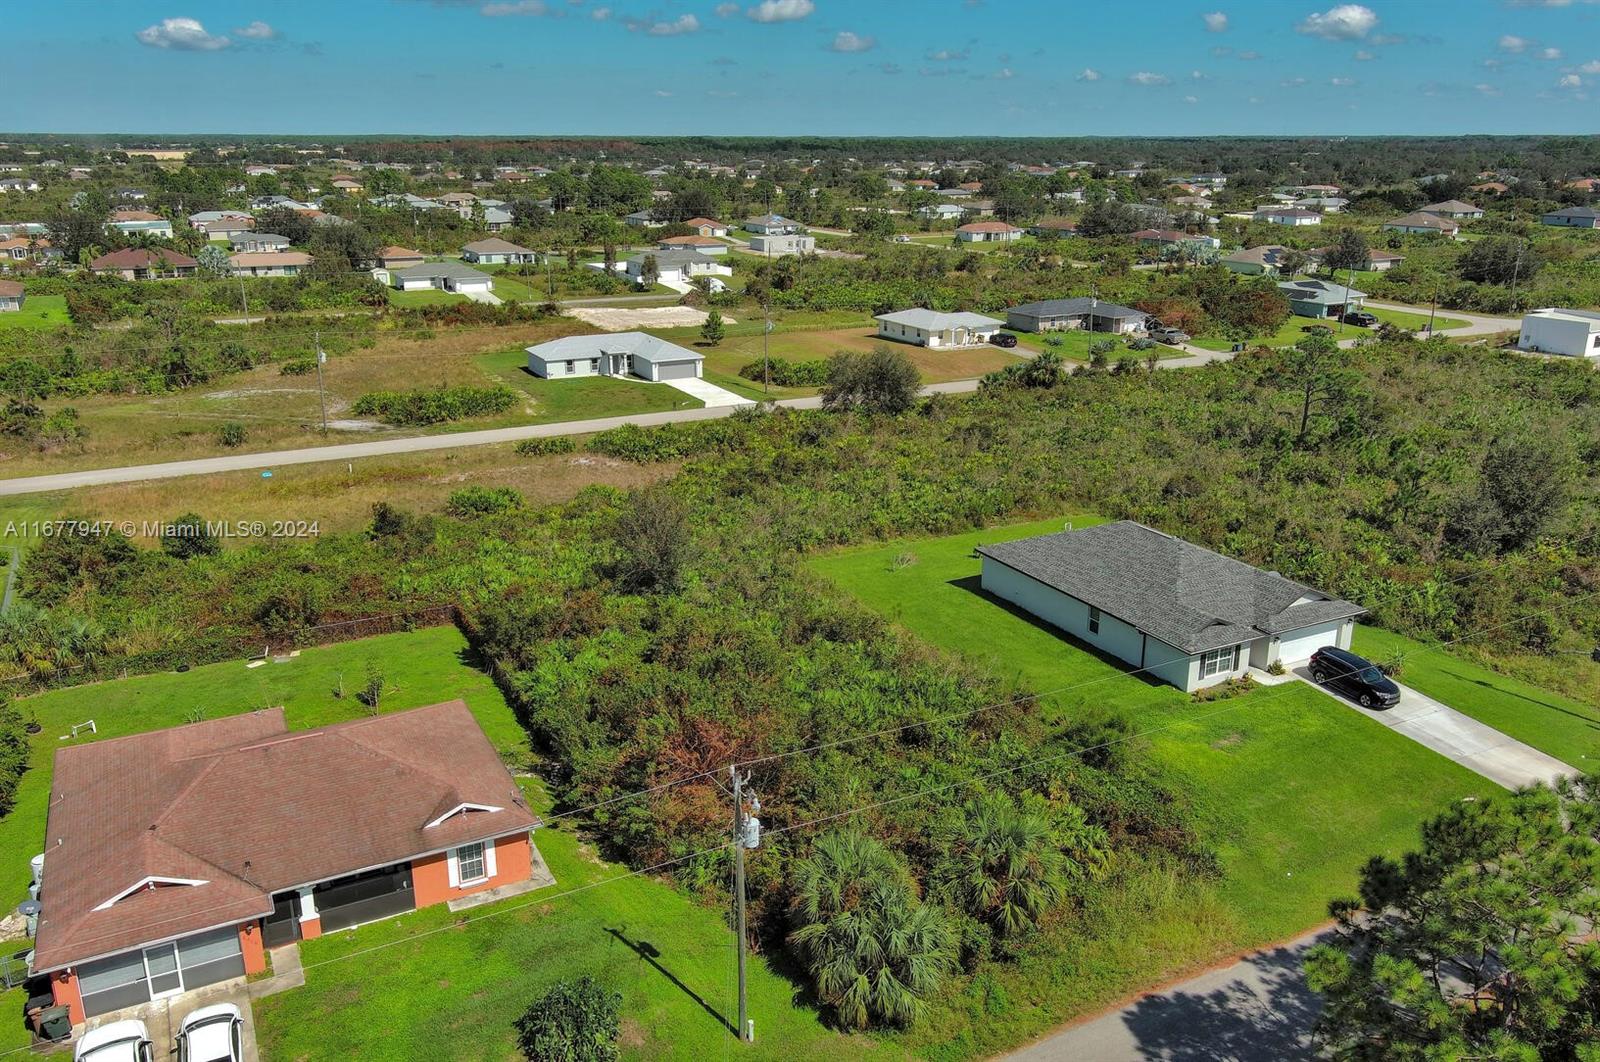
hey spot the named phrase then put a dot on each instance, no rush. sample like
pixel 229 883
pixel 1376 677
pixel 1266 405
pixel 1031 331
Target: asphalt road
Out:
pixel 1255 1010
pixel 383 447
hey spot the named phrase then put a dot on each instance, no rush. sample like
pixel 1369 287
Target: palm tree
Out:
pixel 874 951
pixel 1004 867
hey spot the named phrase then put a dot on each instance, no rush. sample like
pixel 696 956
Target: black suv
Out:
pixel 1003 339
pixel 1362 318
pixel 1344 672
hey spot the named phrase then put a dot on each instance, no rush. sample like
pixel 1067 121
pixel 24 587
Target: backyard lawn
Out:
pixel 1294 329
pixel 582 397
pixel 38 312
pixel 1290 827
pixel 1565 728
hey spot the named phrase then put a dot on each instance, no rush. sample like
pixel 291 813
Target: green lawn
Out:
pixel 425 297
pixel 582 397
pixel 1292 790
pixel 1567 729
pixel 38 312
pixel 1293 330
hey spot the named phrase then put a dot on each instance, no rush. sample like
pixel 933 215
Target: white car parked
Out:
pixel 212 1034
pixel 120 1041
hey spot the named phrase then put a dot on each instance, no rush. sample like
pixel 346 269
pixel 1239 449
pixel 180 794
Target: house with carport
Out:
pixel 175 858
pixel 1172 610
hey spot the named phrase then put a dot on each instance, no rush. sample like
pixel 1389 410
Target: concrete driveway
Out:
pixel 709 393
pixel 1455 736
pixel 163 1017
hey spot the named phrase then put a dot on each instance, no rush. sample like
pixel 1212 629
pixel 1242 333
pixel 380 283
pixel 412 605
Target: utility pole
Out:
pixel 322 392
pixel 1349 278
pixel 244 299
pixel 1433 309
pixel 743 837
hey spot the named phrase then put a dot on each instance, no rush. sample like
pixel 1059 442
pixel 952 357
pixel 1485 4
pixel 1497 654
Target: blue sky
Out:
pixel 835 67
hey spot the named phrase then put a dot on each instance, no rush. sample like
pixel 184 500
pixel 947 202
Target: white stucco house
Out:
pixel 779 244
pixel 445 276
pixel 1291 215
pixel 1573 333
pixel 930 328
pixel 495 251
pixel 987 232
pixel 678 267
pixel 772 225
pixel 635 354
pixel 1169 608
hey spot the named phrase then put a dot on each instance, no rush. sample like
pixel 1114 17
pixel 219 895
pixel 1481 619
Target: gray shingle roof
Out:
pixel 1075 307
pixel 933 320
pixel 1185 595
pixel 453 270
pixel 1320 292
pixel 643 346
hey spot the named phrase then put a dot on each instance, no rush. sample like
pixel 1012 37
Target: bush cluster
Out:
pixel 436 405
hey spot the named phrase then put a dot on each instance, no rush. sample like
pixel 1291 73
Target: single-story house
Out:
pixel 139 263
pixel 703 244
pixel 398 257
pixel 1266 260
pixel 19 184
pixel 942 212
pixel 1328 204
pixel 1320 298
pixel 1377 260
pixel 134 222
pixel 707 227
pixel 987 232
pixel 1577 217
pixel 495 251
pixel 1491 188
pixel 460 202
pixel 677 267
pixel 268 263
pixel 1453 208
pixel 641 219
pixel 497 218
pixel 1574 333
pixel 22 248
pixel 779 244
pixel 222 224
pixel 614 354
pixel 129 195
pixel 11 296
pixel 1174 610
pixel 772 225
pixel 1089 314
pixel 173 858
pixel 1291 215
pixel 258 241
pixel 444 276
pixel 346 184
pixel 1053 226
pixel 930 328
pixel 1420 221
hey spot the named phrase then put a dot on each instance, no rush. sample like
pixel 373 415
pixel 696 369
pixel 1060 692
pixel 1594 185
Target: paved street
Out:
pixel 1255 1010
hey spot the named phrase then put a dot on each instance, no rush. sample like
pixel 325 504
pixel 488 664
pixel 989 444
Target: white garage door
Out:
pixel 675 370
pixel 1300 644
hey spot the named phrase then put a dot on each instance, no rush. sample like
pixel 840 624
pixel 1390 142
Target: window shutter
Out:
pixel 488 858
pixel 455 868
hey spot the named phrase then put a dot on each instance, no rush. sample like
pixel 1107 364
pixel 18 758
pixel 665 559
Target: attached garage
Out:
pixel 676 370
pixel 636 354
pixel 1294 646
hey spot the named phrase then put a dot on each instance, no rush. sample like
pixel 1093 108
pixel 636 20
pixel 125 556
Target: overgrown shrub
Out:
pixel 575 1021
pixel 785 373
pixel 435 406
pixel 547 446
pixel 481 501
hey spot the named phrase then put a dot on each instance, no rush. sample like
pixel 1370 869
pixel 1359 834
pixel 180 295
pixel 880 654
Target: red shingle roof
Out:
pixel 10 289
pixel 142 258
pixel 250 808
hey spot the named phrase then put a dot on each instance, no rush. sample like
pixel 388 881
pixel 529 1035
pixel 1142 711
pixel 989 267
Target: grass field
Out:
pixel 1294 329
pixel 1291 827
pixel 1565 728
pixel 440 988
pixel 425 297
pixel 38 312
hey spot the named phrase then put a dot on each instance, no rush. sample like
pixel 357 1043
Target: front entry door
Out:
pixel 161 967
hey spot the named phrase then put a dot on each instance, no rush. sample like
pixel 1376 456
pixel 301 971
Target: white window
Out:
pixel 594 364
pixel 1218 661
pixel 471 864
pixel 1094 620
pixel 572 367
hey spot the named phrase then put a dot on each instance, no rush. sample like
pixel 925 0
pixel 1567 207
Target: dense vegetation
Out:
pixel 435 405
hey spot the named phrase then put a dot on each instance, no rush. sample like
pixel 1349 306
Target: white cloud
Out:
pixel 1199 75
pixel 257 31
pixel 727 10
pixel 513 8
pixel 1146 77
pixel 1293 82
pixel 1347 22
pixel 1514 44
pixel 1249 55
pixel 1364 56
pixel 1089 73
pixel 1341 82
pixel 678 26
pixel 1591 67
pixel 1570 81
pixel 1004 74
pixel 1190 99
pixel 181 35
pixel 1216 22
pixel 1486 89
pixel 1550 55
pixel 600 14
pixel 845 41
pixel 723 94
pixel 781 10
pixel 947 55
pixel 663 93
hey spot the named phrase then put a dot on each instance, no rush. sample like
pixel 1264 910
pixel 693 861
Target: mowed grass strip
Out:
pixel 1293 790
pixel 38 312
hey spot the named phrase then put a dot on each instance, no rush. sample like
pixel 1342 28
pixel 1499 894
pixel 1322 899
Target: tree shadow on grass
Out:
pixel 651 954
pixel 972 584
pixel 1593 721
pixel 1261 1010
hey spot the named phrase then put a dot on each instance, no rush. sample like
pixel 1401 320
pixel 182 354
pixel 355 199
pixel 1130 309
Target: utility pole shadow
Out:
pixel 651 954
